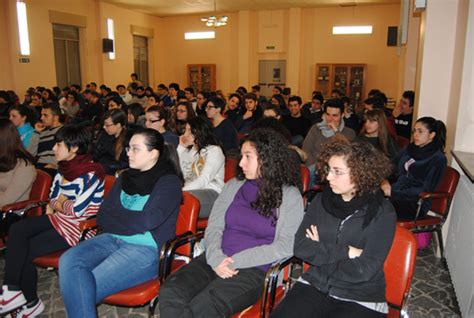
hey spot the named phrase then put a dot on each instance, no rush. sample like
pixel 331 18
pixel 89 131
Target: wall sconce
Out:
pixel 199 35
pixel 23 28
pixel 356 29
pixel 110 35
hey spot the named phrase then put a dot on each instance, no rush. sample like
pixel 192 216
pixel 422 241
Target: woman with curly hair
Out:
pixel 345 236
pixel 252 225
pixel 202 161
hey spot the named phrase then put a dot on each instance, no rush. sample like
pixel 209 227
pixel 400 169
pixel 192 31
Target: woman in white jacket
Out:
pixel 202 162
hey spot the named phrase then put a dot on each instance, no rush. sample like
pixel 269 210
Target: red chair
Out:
pixel 52 260
pixel 441 200
pixel 38 198
pixel 402 142
pixel 229 168
pixel 399 267
pixel 304 171
pixel 148 292
pixel 36 202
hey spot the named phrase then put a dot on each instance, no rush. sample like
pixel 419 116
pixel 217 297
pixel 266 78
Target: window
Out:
pixel 66 55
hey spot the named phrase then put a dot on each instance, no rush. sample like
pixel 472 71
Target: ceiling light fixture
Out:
pixel 354 29
pixel 213 21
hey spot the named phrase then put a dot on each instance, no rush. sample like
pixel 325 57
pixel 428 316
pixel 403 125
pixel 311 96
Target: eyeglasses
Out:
pixel 132 149
pixel 152 120
pixel 108 125
pixel 210 106
pixel 335 172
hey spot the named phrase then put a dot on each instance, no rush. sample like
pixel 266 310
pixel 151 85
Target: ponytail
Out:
pixel 441 135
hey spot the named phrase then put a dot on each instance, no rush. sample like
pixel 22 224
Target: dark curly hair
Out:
pixel 368 167
pixel 277 168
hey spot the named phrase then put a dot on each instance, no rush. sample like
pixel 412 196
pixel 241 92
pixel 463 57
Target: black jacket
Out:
pixel 104 153
pixel 332 271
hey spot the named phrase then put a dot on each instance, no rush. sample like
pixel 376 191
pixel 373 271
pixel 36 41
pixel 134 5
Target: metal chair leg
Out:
pixel 152 307
pixel 439 235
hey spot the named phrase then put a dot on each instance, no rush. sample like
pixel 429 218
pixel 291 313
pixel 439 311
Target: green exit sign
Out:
pixel 24 60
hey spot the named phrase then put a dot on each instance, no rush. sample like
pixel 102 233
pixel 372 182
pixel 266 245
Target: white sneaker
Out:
pixel 11 299
pixel 29 312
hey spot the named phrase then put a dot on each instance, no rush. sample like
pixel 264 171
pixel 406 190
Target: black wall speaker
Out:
pixel 107 45
pixel 392 36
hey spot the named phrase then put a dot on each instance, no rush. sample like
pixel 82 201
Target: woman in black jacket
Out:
pixel 345 236
pixel 109 149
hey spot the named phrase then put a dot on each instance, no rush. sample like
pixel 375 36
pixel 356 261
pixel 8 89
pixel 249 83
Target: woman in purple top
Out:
pixel 252 225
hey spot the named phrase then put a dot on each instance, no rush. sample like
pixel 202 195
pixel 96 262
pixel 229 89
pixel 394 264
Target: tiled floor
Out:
pixel 432 293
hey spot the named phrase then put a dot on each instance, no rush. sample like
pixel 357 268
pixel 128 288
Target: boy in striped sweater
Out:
pixel 76 194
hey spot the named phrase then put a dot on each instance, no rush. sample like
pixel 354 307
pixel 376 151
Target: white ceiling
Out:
pixel 164 8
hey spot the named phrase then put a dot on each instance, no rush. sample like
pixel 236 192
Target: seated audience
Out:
pixel 76 194
pixel 17 169
pixel 351 120
pixel 201 102
pixel 345 237
pixel 250 115
pixel 314 111
pixel 109 149
pixel 136 219
pixel 375 132
pixel 124 94
pixel 115 102
pixel 157 118
pixel 22 117
pixel 420 168
pixel 403 114
pixel 252 225
pixel 49 126
pixel 223 129
pixel 297 124
pixel 71 106
pixel 262 100
pixel 232 108
pixel 279 101
pixel 202 162
pixel 181 114
pixel 5 104
pixel 189 94
pixel 332 127
pixel 135 115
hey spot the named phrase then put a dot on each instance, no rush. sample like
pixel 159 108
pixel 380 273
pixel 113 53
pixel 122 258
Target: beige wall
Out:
pixel 302 37
pixel 178 52
pixel 441 70
pixel 320 46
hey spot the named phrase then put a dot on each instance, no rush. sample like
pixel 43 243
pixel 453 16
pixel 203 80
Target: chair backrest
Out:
pixel 108 183
pixel 448 184
pixel 187 218
pixel 304 171
pixel 402 142
pixel 41 186
pixel 40 190
pixel 229 168
pixel 399 266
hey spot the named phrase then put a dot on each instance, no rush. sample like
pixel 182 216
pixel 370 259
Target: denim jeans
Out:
pixel 102 266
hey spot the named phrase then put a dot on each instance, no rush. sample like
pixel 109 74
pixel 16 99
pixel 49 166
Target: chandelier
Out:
pixel 213 21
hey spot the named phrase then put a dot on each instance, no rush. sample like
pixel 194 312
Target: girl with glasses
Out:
pixel 345 236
